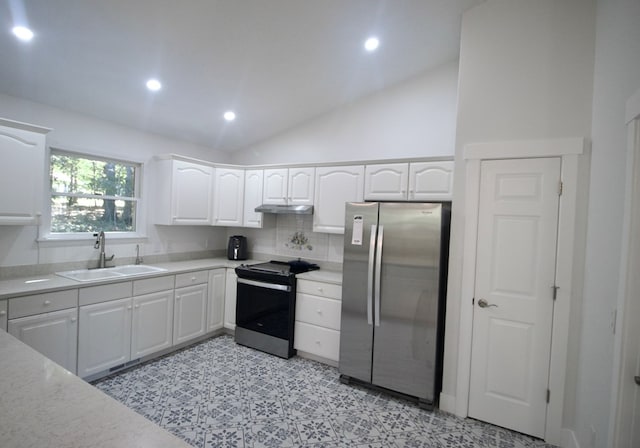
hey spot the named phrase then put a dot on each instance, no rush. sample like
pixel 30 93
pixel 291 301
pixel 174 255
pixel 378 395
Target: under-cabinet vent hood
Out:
pixel 286 209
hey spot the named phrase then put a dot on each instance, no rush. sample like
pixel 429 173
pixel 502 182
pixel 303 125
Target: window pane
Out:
pixel 75 174
pixel 71 214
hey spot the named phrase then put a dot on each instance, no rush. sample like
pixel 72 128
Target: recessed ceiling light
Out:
pixel 154 85
pixel 22 33
pixel 229 115
pixel 371 44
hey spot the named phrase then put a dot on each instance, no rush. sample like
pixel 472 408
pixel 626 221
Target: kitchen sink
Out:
pixel 87 275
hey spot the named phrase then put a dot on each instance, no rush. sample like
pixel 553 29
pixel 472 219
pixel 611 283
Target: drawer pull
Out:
pixel 319 312
pixel 321 289
pixel 47 302
pixel 193 279
pixel 73 319
pixel 317 341
pixel 2 312
pixel 137 305
pixel 177 297
pixel 129 307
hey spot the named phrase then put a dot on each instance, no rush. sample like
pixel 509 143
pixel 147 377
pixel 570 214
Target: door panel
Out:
pixel 515 274
pixel 356 335
pixel 404 349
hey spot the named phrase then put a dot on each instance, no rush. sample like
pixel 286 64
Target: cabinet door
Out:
pixel 23 154
pixel 192 190
pixel 230 292
pixel 228 197
pixel 104 336
pixel 3 315
pixel 431 181
pixel 152 325
pixel 386 182
pixel 190 316
pixel 275 186
pixel 301 185
pixel 215 305
pixel 253 185
pixel 335 186
pixel 55 335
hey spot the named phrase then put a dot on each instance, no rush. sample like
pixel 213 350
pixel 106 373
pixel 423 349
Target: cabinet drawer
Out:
pixel 3 315
pixel 104 293
pixel 318 311
pixel 192 278
pixel 149 285
pixel 320 289
pixel 42 303
pixel 317 340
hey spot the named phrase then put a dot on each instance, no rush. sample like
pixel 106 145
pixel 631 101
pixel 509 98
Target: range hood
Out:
pixel 285 209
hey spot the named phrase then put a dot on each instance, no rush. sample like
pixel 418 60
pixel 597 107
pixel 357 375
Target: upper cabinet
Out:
pixel 22 173
pixel 253 185
pixel 334 187
pixel 286 186
pixel 228 201
pixel 419 181
pixel 184 193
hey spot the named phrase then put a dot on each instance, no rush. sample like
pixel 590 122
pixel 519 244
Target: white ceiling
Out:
pixel 276 63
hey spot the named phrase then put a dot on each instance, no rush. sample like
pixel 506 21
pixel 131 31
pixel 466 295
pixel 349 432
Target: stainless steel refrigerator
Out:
pixel 393 289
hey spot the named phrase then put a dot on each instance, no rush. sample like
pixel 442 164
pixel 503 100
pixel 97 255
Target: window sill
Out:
pixel 84 237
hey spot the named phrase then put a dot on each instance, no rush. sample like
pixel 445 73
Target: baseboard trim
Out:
pixel 447 403
pixel 569 439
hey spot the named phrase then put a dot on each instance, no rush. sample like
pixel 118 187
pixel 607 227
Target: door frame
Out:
pixel 632 120
pixel 573 153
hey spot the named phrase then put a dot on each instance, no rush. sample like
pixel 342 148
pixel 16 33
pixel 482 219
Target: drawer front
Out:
pixel 317 341
pixel 192 278
pixel 149 285
pixel 318 311
pixel 104 293
pixel 42 303
pixel 320 289
pixel 3 315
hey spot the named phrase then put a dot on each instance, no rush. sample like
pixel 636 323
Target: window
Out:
pixel 89 194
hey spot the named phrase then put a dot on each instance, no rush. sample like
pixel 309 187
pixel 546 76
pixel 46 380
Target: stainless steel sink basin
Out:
pixel 87 275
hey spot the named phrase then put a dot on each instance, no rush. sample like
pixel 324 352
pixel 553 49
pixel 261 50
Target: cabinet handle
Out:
pixel 47 302
pixel 73 319
pixel 177 297
pixel 3 312
pixel 319 312
pixel 317 341
pixel 321 289
pixel 137 306
pixel 193 279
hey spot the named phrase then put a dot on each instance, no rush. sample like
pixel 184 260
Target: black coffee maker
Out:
pixel 237 249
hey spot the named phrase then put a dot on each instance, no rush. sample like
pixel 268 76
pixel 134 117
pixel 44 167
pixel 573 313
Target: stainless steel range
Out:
pixel 266 305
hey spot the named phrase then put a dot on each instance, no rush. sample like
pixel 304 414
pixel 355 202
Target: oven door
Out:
pixel 265 308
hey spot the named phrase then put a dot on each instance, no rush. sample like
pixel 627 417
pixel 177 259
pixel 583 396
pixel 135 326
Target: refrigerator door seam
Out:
pixel 377 277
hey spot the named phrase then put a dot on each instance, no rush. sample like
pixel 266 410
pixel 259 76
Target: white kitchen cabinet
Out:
pixel 152 323
pixel 104 336
pixel 431 181
pixel 3 315
pixel 215 305
pixel 386 182
pixel 54 334
pixel 22 173
pixel 190 313
pixel 228 203
pixel 335 186
pixel 317 324
pixel 292 186
pixel 253 186
pixel 230 294
pixel 184 193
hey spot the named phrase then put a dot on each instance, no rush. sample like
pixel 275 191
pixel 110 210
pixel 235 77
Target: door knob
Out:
pixel 484 304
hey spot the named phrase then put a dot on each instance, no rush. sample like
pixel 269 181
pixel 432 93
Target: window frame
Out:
pixel 45 233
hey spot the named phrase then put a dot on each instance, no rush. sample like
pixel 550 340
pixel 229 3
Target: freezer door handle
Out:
pixel 377 276
pixel 372 252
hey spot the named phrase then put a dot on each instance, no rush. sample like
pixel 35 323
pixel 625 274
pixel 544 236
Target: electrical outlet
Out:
pixel 593 436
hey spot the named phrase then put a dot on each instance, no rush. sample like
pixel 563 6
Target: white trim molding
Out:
pixel 570 260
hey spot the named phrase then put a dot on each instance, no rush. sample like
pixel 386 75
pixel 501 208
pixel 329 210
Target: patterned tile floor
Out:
pixel 219 394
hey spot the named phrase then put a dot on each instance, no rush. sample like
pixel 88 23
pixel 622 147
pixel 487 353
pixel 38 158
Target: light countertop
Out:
pixel 322 276
pixel 42 404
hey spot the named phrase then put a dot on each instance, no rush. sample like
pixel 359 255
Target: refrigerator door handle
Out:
pixel 377 276
pixel 372 251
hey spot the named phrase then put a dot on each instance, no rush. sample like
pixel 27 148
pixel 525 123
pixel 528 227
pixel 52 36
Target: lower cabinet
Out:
pixel 52 334
pixel 3 315
pixel 230 295
pixel 152 324
pixel 215 305
pixel 190 313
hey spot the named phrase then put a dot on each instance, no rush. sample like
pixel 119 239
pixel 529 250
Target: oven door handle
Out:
pixel 275 286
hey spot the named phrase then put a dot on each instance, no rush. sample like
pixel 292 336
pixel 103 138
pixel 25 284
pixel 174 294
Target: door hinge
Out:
pixel 548 395
pixel 560 187
pixel 555 291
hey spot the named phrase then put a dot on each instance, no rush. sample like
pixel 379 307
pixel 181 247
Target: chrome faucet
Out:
pixel 99 244
pixel 139 259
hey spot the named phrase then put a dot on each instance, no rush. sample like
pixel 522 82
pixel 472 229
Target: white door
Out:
pixel 152 325
pixel 513 310
pixel 192 192
pixel 55 335
pixel 431 181
pixel 275 186
pixel 215 306
pixel 229 197
pixel 301 185
pixel 386 182
pixel 230 294
pixel 253 186
pixel 190 317
pixel 335 186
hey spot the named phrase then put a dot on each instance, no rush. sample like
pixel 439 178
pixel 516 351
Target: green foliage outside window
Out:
pixel 89 195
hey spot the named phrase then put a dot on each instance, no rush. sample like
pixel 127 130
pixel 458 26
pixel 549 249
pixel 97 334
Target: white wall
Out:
pixel 412 119
pixel 526 72
pixel 616 78
pixel 82 133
